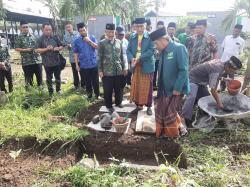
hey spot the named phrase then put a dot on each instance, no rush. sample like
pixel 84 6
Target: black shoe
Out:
pixel 111 110
pixel 136 110
pixel 149 111
pixel 120 106
pixel 89 96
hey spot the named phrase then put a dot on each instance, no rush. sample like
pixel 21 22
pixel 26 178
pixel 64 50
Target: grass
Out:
pixel 212 162
pixel 118 175
pixel 28 114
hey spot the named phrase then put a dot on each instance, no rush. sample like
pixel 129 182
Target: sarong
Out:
pixel 168 121
pixel 142 87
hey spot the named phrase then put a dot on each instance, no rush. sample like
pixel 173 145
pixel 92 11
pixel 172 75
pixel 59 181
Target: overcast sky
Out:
pixel 183 6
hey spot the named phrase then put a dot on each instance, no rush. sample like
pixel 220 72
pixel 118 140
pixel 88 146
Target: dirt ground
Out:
pixel 22 171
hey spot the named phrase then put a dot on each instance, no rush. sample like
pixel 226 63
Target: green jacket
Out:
pixel 111 61
pixel 147 52
pixel 25 41
pixel 173 70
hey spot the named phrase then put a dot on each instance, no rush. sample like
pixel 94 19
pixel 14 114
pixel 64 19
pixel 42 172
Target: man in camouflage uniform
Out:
pixel 112 68
pixel 5 69
pixel 205 45
pixel 26 44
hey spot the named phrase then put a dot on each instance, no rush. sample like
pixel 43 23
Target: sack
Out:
pixel 62 61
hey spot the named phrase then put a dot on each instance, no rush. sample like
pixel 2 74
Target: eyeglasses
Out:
pixel 25 27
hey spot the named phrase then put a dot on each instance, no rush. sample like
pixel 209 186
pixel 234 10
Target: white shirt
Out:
pixel 124 50
pixel 232 47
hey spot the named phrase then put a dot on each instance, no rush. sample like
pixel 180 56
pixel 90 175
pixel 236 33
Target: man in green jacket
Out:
pixel 112 68
pixel 173 84
pixel 140 54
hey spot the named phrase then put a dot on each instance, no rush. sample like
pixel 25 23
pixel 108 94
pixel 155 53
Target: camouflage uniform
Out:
pixel 111 63
pixel 203 48
pixel 5 69
pixel 30 59
pixel 25 41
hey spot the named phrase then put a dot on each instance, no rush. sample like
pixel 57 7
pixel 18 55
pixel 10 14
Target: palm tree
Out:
pixel 240 8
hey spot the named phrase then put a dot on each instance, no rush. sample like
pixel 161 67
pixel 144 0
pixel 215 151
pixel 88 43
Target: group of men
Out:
pixel 178 67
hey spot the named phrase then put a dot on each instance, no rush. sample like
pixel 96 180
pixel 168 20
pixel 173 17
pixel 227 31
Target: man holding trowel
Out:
pixel 204 75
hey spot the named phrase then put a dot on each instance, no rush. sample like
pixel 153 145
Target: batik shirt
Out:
pixel 25 41
pixel 203 49
pixel 111 62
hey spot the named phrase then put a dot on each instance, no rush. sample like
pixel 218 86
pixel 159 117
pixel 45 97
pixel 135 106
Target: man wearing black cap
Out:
pixel 141 58
pixel 85 59
pixel 172 83
pixel 120 34
pixel 171 32
pixel 49 47
pixel 205 45
pixel 112 67
pixel 159 25
pixel 26 44
pixel 68 40
pixel 232 45
pixel 204 75
pixel 183 37
pixel 148 25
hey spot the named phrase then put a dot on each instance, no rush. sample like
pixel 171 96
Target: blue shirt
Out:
pixel 69 39
pixel 86 53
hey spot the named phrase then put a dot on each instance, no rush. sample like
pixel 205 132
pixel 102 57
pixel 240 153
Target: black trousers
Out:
pixel 155 73
pixel 30 71
pixel 56 71
pixel 76 77
pixel 110 84
pixel 128 78
pixel 6 74
pixel 91 80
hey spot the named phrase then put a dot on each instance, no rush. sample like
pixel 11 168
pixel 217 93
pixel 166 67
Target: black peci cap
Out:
pixel 110 26
pixel 172 24
pixel 158 34
pixel 238 26
pixel 201 22
pixel 235 62
pixel 140 21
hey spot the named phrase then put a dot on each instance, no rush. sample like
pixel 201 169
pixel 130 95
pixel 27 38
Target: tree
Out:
pixel 2 10
pixel 126 9
pixel 240 8
pixel 53 7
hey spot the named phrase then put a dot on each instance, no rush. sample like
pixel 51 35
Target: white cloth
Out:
pixel 232 47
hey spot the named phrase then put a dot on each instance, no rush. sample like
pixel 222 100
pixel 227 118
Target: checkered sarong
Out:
pixel 141 87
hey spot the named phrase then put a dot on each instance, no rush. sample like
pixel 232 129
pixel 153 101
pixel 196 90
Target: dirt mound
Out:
pixel 133 148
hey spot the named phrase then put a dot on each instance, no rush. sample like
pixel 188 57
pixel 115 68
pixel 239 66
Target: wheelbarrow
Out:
pixel 237 107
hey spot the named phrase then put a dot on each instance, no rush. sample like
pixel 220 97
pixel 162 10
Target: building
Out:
pixel 33 11
pixel 166 17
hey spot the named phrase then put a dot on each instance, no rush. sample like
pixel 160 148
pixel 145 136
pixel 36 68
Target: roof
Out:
pixel 32 11
pixel 152 13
